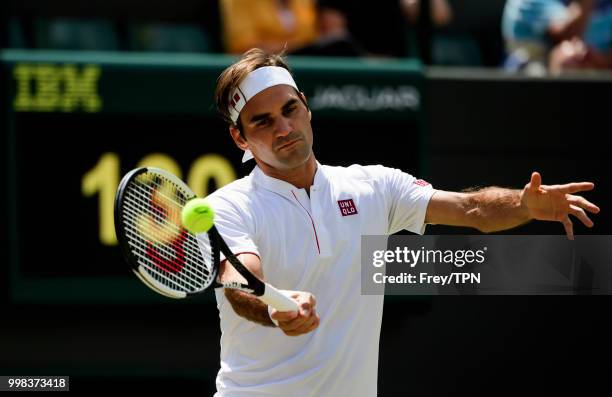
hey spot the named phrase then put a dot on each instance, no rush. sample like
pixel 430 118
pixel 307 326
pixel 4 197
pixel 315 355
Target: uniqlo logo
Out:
pixel 421 182
pixel 347 207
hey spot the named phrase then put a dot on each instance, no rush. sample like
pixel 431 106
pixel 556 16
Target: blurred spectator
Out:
pixel 449 38
pixel 334 38
pixel 575 54
pixel 298 27
pixel 374 29
pixel 441 13
pixel 270 25
pixel 578 30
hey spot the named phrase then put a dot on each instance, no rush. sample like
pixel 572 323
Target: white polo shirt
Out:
pixel 312 244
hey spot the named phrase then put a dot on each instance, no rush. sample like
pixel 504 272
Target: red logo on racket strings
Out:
pixel 347 207
pixel 165 262
pixel 174 265
pixel 421 182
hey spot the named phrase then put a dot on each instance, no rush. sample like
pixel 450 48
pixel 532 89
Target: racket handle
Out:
pixel 278 300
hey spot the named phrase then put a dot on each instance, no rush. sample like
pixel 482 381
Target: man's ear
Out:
pixel 238 139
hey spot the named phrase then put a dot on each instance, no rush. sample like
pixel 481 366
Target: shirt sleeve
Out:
pixel 408 198
pixel 235 226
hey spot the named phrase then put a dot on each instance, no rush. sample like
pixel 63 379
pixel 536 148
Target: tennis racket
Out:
pixel 163 254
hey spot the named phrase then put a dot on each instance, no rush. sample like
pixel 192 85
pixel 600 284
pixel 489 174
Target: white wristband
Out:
pixel 270 308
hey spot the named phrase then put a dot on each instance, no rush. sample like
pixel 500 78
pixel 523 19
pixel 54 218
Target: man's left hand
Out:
pixel 557 202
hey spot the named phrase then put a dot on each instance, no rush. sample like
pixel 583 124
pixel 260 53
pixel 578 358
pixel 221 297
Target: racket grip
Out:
pixel 278 300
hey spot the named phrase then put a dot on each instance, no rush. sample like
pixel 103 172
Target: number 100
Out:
pixel 103 179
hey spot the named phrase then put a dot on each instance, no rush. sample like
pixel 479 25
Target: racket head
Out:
pixel 159 250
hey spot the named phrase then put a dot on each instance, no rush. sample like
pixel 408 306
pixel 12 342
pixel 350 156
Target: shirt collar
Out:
pixel 281 187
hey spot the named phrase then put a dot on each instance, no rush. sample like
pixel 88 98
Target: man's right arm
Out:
pixel 251 308
pixel 245 304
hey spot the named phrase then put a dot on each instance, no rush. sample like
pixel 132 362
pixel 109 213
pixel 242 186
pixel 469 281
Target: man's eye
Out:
pixel 290 110
pixel 262 122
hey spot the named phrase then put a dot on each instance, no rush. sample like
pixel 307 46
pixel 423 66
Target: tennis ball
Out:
pixel 197 216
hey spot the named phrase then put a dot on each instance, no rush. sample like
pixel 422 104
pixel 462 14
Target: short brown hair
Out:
pixel 234 74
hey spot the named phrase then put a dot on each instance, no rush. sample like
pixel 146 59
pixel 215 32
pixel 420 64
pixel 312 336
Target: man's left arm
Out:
pixel 493 209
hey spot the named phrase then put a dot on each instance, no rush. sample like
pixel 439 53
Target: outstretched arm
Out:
pixel 492 209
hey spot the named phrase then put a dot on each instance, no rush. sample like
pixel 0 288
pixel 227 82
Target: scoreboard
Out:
pixel 75 122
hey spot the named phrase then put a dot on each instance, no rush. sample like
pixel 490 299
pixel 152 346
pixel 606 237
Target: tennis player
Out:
pixel 298 224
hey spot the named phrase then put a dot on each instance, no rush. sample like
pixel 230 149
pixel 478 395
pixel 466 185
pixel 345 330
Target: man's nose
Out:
pixel 283 126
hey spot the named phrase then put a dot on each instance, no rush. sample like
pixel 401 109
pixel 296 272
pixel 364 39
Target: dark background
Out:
pixel 476 128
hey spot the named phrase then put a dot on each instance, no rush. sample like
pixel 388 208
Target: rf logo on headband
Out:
pixel 235 100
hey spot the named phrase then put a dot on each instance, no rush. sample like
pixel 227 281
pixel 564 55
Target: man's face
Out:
pixel 276 126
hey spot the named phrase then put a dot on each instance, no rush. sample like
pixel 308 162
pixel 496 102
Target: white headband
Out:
pixel 255 82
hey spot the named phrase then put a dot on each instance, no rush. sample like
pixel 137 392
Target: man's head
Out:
pixel 266 112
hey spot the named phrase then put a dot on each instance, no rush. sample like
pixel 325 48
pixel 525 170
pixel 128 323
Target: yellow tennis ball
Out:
pixel 197 216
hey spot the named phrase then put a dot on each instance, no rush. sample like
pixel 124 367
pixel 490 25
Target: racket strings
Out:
pixel 181 272
pixel 175 283
pixel 148 227
pixel 195 275
pixel 169 250
pixel 174 227
pixel 151 217
pixel 204 247
pixel 192 273
pixel 151 227
pixel 158 259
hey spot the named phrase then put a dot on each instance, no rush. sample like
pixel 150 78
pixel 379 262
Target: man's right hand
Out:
pixel 301 322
